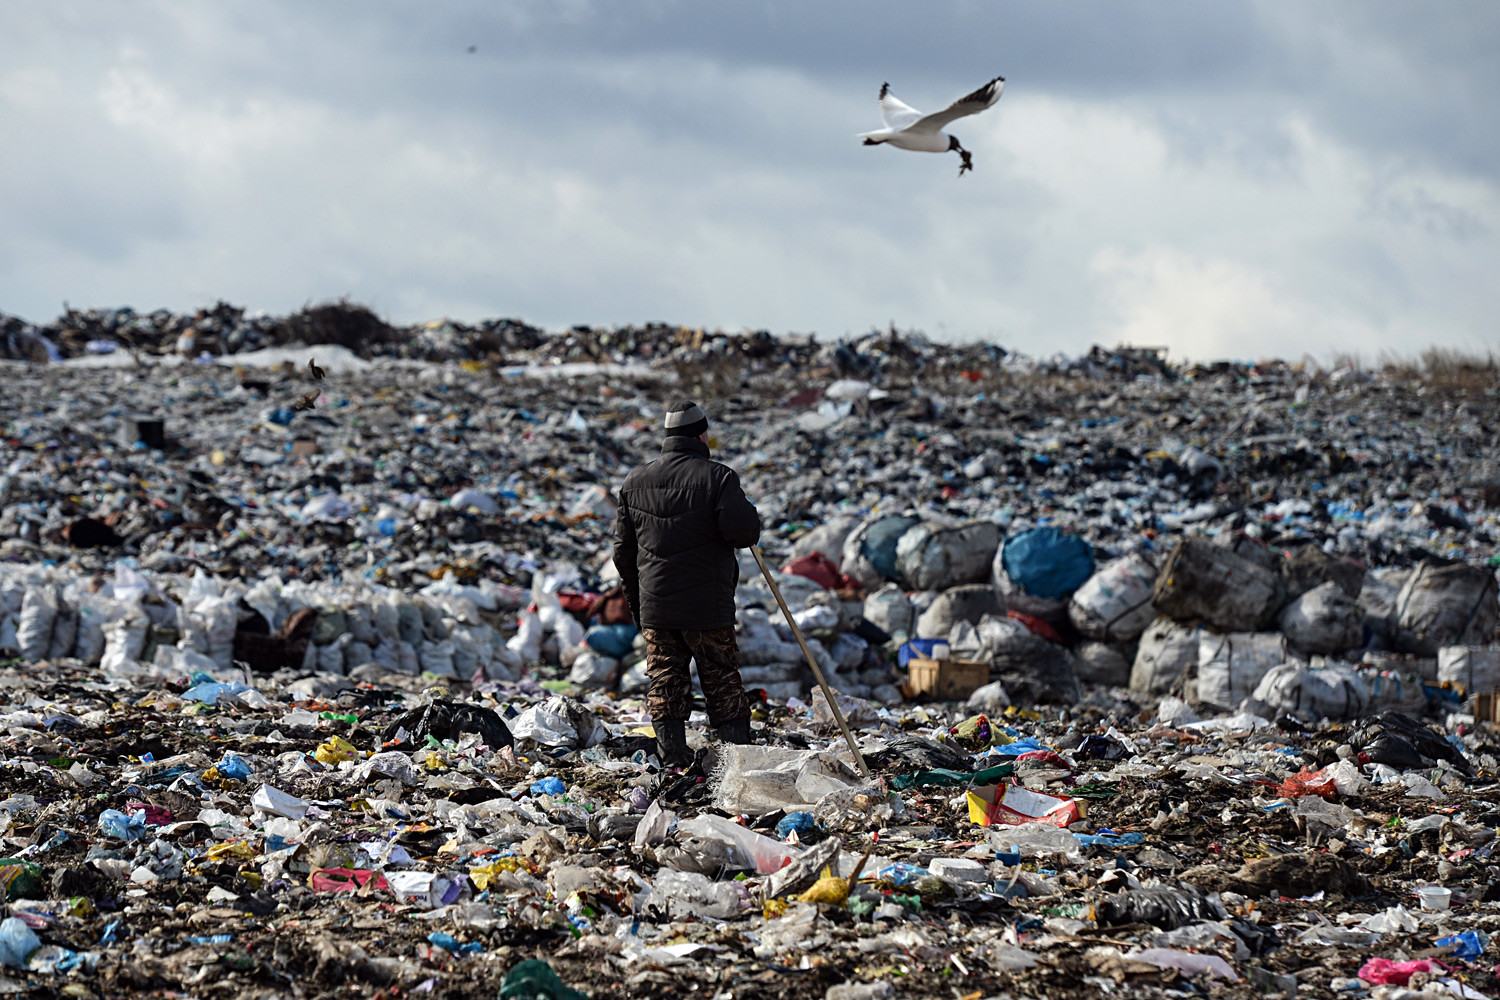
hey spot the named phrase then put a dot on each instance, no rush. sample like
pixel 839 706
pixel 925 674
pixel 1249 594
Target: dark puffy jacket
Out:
pixel 681 518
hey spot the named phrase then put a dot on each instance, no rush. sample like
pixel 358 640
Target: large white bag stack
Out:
pixel 38 614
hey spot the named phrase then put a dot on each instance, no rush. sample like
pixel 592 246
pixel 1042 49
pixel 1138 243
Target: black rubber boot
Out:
pixel 671 742
pixel 735 731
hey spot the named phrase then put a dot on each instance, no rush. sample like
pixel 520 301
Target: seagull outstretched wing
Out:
pixel 896 113
pixel 972 104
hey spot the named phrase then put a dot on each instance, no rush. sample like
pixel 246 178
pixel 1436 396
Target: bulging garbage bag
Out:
pixel 1214 583
pixel 1323 620
pixel 869 554
pixel 594 670
pixel 125 641
pixel 827 538
pixel 1445 605
pixel 1230 666
pixel 1047 564
pixel 1475 669
pixel 1295 688
pixel 933 557
pixel 1114 605
pixel 890 610
pixel 1308 566
pixel 38 613
pixel 968 603
pixel 1166 654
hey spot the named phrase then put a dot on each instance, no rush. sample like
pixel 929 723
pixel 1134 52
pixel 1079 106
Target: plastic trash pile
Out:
pixel 340 700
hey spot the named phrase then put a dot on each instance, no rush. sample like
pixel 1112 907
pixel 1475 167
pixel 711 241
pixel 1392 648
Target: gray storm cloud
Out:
pixel 1240 180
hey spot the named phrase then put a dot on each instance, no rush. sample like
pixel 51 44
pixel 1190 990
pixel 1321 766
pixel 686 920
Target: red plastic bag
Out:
pixel 1035 626
pixel 346 879
pixel 1046 757
pixel 1383 971
pixel 819 569
pixel 1305 783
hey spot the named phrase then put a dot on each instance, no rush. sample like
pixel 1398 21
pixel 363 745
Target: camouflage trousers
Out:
pixel 718 656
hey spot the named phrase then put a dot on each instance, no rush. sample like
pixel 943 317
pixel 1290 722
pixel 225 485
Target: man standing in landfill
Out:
pixel 681 518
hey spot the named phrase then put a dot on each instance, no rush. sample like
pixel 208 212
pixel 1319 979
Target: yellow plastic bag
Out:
pixel 829 888
pixel 335 751
pixel 231 849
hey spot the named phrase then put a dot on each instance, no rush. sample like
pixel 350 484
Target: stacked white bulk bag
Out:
pixel 1323 620
pixel 1231 666
pixel 1476 669
pixel 931 556
pixel 1114 605
pixel 1445 605
pixel 1167 652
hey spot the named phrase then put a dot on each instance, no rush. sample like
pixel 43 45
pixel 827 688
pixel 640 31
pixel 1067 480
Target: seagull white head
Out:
pixel 908 128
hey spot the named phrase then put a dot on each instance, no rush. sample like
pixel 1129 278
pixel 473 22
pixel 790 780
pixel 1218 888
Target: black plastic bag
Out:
pixel 450 720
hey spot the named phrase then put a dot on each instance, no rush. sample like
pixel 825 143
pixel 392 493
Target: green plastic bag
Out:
pixel 534 979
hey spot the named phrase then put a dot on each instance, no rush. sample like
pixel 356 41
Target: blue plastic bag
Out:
pixel 548 786
pixel 449 943
pixel 802 822
pixel 17 942
pixel 1018 747
pixel 114 823
pixel 212 692
pixel 233 766
pixel 916 649
pixel 902 873
pixel 613 641
pixel 879 543
pixel 1471 944
pixel 1047 562
pixel 1108 838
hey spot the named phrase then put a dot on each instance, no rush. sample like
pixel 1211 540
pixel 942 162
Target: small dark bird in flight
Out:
pixel 307 401
pixel 473 49
pixel 312 367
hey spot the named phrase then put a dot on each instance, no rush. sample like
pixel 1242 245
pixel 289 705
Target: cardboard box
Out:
pixel 945 680
pixel 1487 707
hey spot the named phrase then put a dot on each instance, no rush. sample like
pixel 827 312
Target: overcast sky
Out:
pixel 1227 179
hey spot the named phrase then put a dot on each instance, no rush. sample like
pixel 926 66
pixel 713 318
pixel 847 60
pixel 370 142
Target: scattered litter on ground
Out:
pixel 1173 681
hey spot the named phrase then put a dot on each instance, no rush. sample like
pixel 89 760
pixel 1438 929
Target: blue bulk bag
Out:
pixel 613 641
pixel 1047 562
pixel 879 543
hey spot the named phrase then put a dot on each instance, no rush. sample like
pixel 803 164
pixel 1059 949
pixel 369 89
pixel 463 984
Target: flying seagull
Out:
pixel 908 128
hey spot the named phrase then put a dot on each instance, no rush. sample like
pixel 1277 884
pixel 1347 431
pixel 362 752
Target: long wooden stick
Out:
pixel 833 704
